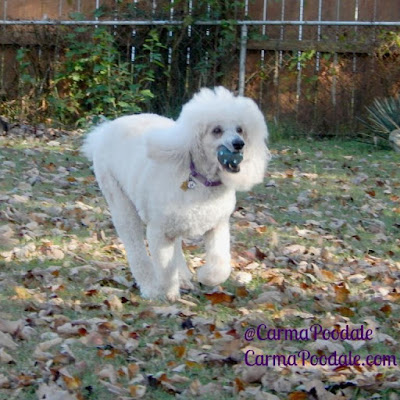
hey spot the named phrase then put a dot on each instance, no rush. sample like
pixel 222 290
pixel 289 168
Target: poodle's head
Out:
pixel 226 137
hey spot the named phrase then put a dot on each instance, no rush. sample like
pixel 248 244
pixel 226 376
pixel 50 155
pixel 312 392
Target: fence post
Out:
pixel 242 59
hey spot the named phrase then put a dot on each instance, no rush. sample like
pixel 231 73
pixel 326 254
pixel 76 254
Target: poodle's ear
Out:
pixel 169 144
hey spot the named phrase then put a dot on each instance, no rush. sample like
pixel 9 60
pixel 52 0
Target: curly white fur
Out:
pixel 140 163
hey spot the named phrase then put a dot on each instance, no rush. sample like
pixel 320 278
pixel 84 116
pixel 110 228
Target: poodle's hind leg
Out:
pixel 130 229
pixel 165 254
pixel 185 276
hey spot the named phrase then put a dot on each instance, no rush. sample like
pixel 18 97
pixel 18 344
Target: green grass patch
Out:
pixel 318 241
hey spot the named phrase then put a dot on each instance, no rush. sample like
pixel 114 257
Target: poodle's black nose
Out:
pixel 237 144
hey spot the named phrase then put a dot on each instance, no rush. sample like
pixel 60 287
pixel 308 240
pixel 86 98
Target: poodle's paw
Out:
pixel 185 284
pixel 160 293
pixel 213 275
pixel 149 292
pixel 171 293
pixel 185 278
pixel 173 296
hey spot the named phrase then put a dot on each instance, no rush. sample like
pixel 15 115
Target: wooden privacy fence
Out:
pixel 315 63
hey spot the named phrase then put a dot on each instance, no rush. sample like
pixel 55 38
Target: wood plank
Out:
pixel 307 45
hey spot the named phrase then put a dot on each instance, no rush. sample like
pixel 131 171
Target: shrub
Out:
pixel 382 119
pixel 92 79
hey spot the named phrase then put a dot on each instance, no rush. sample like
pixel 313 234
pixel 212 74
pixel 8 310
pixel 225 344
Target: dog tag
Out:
pixel 184 185
pixel 189 184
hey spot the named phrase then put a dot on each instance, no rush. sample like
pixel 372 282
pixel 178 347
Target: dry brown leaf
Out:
pixel 371 192
pixel 6 341
pixel 71 382
pixel 44 346
pixel 190 248
pixel 5 358
pixel 345 311
pixel 242 278
pixel 4 382
pixel 22 293
pixel 133 370
pixel 328 275
pixel 167 310
pixel 253 374
pixel 386 309
pixel 219 297
pixel 269 297
pixel 179 351
pixel 108 372
pixel 192 364
pixel 116 389
pixel 53 392
pixel 294 249
pixel 41 349
pixel 265 396
pixel 114 303
pixel 298 396
pixel 321 344
pixel 289 173
pixel 341 293
pixel 261 229
pixel 11 327
pixel 179 379
pixel 238 385
pixel 241 291
pixel 137 391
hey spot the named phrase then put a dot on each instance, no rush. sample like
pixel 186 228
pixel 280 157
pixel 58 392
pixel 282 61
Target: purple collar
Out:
pixel 201 178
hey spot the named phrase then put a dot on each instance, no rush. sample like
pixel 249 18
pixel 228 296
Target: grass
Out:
pixel 337 201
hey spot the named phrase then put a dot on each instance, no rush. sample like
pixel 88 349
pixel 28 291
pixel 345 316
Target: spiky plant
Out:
pixel 383 118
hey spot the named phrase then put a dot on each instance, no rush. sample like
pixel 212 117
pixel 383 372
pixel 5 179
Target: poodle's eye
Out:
pixel 217 130
pixel 239 129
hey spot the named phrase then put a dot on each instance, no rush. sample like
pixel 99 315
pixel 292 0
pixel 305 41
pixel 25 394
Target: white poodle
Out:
pixel 179 178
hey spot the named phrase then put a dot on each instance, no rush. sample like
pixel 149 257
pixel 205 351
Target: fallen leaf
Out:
pixel 114 303
pixel 137 391
pixel 386 309
pixel 4 382
pixel 341 293
pixel 297 396
pixel 179 351
pixel 108 372
pixel 53 392
pixel 219 297
pixel 5 358
pixel 241 291
pixel 238 385
pixel 6 341
pixel 345 311
pixel 71 382
pixel 22 293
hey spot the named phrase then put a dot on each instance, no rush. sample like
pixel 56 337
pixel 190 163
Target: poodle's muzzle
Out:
pixel 230 160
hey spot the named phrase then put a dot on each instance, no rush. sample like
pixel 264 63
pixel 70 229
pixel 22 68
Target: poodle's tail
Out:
pixel 93 140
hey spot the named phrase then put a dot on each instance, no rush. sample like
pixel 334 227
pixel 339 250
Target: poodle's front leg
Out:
pixel 165 255
pixel 218 258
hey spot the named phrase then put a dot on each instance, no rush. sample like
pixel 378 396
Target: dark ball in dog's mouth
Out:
pixel 229 160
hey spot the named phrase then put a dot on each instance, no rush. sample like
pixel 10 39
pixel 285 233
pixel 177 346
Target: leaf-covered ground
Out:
pixel 315 247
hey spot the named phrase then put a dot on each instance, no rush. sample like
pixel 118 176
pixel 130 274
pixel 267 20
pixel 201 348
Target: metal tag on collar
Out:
pixel 188 184
pixel 191 183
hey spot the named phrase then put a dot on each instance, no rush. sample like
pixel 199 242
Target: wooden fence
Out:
pixel 315 63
